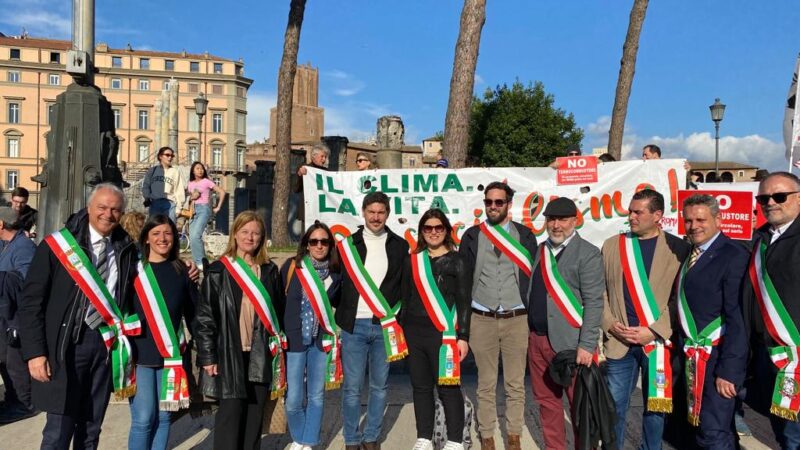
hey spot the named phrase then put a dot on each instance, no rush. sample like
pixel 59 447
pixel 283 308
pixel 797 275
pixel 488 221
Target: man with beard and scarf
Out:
pixel 499 252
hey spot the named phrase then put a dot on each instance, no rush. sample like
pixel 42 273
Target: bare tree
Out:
pixel 625 80
pixel 456 124
pixel 283 138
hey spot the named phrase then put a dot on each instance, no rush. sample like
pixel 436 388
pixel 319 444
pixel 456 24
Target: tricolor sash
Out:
pixel 510 247
pixel 443 318
pixel 174 393
pixel 253 289
pixel 117 327
pixel 697 347
pixel 659 380
pixel 562 295
pixel 781 327
pixel 393 338
pixel 321 304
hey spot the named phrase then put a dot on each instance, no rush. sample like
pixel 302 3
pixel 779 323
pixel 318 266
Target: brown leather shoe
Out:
pixel 371 446
pixel 352 447
pixel 513 442
pixel 487 443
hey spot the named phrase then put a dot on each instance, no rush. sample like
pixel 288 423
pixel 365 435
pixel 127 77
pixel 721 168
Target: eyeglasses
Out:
pixel 362 160
pixel 779 197
pixel 168 155
pixel 428 229
pixel 316 242
pixel 573 154
pixel 498 202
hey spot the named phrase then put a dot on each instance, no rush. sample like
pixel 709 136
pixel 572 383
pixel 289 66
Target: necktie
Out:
pixel 93 318
pixel 696 251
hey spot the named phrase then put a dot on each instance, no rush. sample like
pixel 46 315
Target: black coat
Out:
pixel 294 298
pixel 391 286
pixel 218 337
pixel 47 311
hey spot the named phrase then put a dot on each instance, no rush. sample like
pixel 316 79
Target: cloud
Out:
pixel 479 81
pixel 258 106
pixel 38 23
pixel 342 83
pixel 600 126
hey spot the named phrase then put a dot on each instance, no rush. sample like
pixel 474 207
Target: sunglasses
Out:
pixel 428 229
pixel 168 155
pixel 498 203
pixel 316 242
pixel 573 154
pixel 779 197
pixel 362 160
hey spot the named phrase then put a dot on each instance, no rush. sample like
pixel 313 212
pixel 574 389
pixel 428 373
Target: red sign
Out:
pixel 735 212
pixel 576 170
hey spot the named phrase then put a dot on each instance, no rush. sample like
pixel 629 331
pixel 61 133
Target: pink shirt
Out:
pixel 204 187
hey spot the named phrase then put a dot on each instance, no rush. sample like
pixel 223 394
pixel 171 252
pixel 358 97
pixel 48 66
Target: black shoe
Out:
pixel 16 412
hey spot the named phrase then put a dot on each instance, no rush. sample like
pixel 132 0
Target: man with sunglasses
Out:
pixel 770 303
pixel 164 187
pixel 499 253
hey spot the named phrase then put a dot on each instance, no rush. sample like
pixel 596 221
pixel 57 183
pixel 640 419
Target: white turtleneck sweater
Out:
pixel 376 264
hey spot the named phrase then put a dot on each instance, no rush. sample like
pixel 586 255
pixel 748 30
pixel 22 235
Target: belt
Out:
pixel 501 314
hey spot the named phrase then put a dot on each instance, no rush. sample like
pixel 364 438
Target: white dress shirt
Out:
pixel 113 271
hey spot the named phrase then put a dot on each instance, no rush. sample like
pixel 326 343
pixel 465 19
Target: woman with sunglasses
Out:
pixel 436 323
pixel 239 334
pixel 312 283
pixel 363 161
pixel 200 187
pixel 164 295
pixel 164 187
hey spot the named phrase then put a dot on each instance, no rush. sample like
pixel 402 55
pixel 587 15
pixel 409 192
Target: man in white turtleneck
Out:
pixel 383 254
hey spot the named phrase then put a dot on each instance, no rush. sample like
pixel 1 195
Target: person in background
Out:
pixel 312 332
pixel 363 161
pixel 238 334
pixel 319 160
pixel 606 157
pixel 133 222
pixel 436 317
pixel 27 215
pixel 200 187
pixel 651 151
pixel 163 187
pixel 164 296
pixel 570 151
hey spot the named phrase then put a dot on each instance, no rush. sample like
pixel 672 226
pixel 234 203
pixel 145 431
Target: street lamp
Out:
pixel 717 111
pixel 200 105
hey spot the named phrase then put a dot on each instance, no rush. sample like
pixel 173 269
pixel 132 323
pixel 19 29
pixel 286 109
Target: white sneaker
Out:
pixel 453 446
pixel 423 444
pixel 296 446
pixel 306 447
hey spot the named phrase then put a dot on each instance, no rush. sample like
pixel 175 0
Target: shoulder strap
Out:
pixel 289 276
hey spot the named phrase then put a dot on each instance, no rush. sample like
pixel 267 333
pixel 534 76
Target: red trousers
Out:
pixel 548 393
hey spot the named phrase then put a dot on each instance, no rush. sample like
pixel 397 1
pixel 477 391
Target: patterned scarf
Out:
pixel 309 320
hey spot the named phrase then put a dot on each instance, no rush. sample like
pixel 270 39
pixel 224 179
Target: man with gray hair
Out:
pixel 712 333
pixel 319 160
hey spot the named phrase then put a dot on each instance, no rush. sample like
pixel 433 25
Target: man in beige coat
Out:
pixel 640 269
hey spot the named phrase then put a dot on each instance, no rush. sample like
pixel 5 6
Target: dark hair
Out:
pixel 302 249
pixel 655 201
pixel 653 149
pixel 376 197
pixel 788 175
pixel 20 192
pixel 448 229
pixel 502 186
pixel 606 157
pixel 162 150
pixel 191 170
pixel 144 247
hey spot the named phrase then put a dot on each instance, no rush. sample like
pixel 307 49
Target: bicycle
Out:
pixel 211 239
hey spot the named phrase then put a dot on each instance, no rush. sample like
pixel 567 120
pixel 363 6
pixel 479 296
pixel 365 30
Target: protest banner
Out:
pixel 745 186
pixel 735 212
pixel 576 170
pixel 335 198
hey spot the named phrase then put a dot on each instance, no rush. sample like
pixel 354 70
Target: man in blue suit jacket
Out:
pixel 712 324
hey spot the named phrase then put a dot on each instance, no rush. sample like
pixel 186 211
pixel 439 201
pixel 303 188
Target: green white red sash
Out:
pixel 781 327
pixel 697 347
pixel 562 295
pixel 321 304
pixel 659 380
pixel 117 327
pixel 174 393
pixel 253 289
pixel 510 247
pixel 393 338
pixel 443 318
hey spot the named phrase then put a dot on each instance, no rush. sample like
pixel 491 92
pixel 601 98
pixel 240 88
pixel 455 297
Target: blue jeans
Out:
pixel 201 215
pixel 622 375
pixel 305 377
pixel 149 426
pixel 162 206
pixel 364 346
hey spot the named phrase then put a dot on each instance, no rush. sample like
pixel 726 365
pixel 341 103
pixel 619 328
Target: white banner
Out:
pixel 335 197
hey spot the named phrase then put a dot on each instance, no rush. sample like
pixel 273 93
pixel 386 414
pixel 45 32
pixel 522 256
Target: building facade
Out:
pixel 32 74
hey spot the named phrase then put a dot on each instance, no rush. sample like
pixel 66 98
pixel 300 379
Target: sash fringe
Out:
pixel 329 386
pixel 449 381
pixel 172 405
pixel 276 394
pixel 127 391
pixel 663 405
pixel 693 420
pixel 397 357
pixel 783 413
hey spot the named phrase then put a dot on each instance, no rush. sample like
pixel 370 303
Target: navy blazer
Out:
pixel 292 323
pixel 713 288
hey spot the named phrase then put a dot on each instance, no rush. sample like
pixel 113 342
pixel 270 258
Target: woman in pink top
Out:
pixel 200 187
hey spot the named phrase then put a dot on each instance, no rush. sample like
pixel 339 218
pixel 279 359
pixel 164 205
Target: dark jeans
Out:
pixel 423 365
pixel 89 389
pixel 238 421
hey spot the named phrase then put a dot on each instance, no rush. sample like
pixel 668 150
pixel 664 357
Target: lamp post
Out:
pixel 717 111
pixel 200 105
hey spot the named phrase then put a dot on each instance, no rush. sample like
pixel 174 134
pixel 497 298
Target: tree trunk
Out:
pixel 625 80
pixel 283 138
pixel 456 126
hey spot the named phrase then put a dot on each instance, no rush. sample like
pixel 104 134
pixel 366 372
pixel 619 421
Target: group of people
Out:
pixel 101 312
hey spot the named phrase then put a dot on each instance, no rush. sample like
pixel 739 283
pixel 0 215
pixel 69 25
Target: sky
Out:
pixel 379 57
